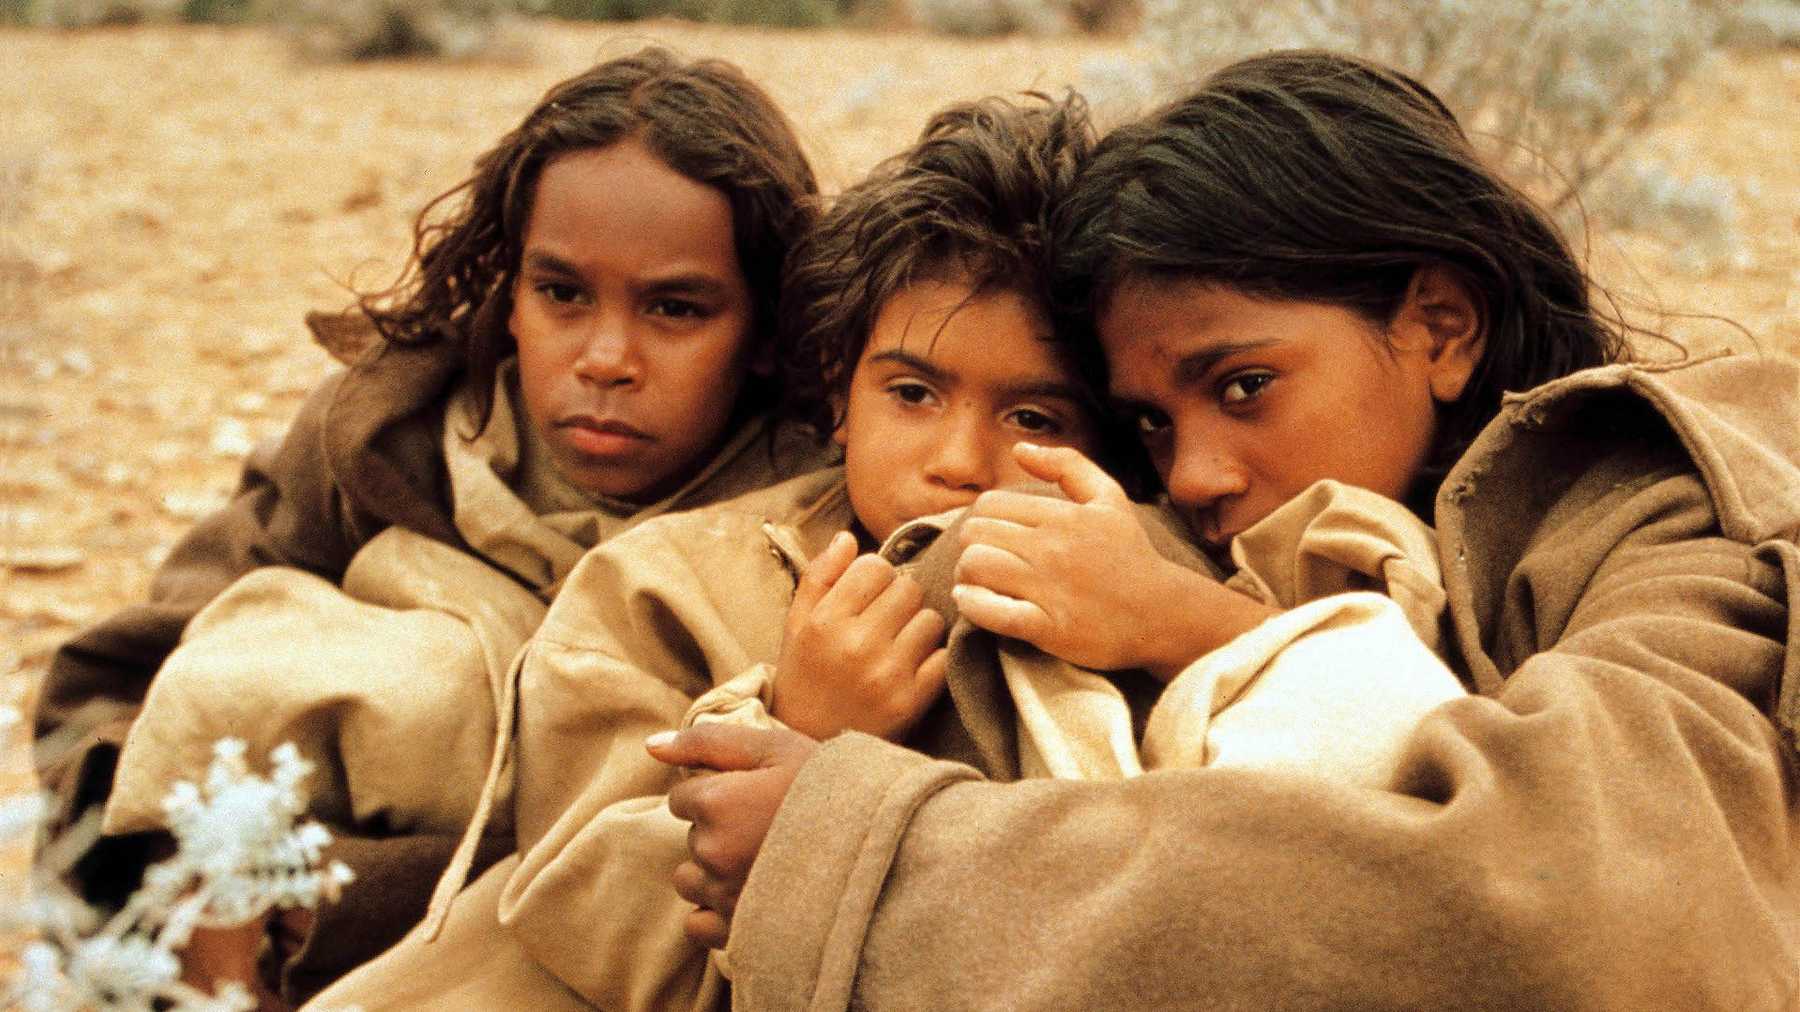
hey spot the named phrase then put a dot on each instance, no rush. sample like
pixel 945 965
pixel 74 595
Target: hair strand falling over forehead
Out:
pixel 705 119
pixel 969 201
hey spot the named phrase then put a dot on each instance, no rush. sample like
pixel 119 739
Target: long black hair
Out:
pixel 1318 176
pixel 705 119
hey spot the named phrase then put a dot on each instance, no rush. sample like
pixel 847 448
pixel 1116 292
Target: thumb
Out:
pixel 714 746
pixel 1082 480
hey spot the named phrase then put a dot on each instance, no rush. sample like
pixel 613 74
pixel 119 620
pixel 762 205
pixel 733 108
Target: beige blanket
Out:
pixel 1332 687
pixel 393 683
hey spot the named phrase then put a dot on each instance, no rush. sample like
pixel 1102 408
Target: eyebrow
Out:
pixel 681 283
pixel 1193 368
pixel 1028 388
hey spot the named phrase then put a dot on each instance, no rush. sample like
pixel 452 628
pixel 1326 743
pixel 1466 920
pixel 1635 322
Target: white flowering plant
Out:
pixel 241 851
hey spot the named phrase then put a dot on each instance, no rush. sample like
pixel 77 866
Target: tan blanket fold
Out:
pixel 473 965
pixel 413 650
pixel 1333 686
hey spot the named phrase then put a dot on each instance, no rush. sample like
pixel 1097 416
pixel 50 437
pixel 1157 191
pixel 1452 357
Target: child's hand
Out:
pixel 731 812
pixel 859 650
pixel 1081 580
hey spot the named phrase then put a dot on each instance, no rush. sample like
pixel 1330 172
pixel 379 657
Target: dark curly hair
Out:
pixel 705 119
pixel 1323 177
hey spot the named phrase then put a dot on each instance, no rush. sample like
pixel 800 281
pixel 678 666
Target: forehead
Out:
pixel 622 195
pixel 956 329
pixel 1163 332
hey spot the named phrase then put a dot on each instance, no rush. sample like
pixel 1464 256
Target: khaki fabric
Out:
pixel 414 647
pixel 646 622
pixel 1332 687
pixel 283 655
pixel 372 451
pixel 1610 823
pixel 685 614
pixel 470 966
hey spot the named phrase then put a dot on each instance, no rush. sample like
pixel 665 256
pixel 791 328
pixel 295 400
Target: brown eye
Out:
pixel 909 393
pixel 679 309
pixel 1033 420
pixel 1150 422
pixel 1244 386
pixel 559 292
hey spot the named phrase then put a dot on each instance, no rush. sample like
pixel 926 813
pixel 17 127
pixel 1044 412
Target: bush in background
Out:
pixel 1764 24
pixel 774 13
pixel 1697 215
pixel 988 17
pixel 87 13
pixel 1555 92
pixel 385 29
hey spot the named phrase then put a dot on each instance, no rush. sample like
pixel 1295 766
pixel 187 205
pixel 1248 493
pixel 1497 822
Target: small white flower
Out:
pixel 238 853
pixel 121 973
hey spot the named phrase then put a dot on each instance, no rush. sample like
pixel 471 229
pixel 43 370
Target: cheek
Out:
pixel 708 376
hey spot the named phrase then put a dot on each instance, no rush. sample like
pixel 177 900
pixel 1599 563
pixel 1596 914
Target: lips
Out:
pixel 602 437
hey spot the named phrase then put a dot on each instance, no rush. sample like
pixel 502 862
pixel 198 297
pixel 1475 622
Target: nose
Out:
pixel 962 457
pixel 609 356
pixel 1202 472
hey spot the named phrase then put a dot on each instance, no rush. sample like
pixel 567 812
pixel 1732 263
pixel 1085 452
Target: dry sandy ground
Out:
pixel 172 200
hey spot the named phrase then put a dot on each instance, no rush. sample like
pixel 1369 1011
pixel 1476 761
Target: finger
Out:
pixel 1082 480
pixel 919 637
pixel 1026 509
pixel 707 928
pixel 825 570
pixel 928 680
pixel 894 607
pixel 687 801
pixel 864 581
pixel 1002 615
pixel 1015 537
pixel 714 746
pixel 997 570
pixel 694 884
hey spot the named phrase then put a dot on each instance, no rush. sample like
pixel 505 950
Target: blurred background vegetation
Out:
pixel 1558 91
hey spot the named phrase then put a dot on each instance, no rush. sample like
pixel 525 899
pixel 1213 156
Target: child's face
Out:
pixel 1244 402
pixel 945 386
pixel 632 319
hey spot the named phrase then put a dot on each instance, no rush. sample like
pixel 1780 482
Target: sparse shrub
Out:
pixel 386 29
pixel 1764 24
pixel 774 13
pixel 602 10
pixel 987 17
pixel 219 11
pixel 1697 216
pixel 1555 90
pixel 89 13
pixel 1103 15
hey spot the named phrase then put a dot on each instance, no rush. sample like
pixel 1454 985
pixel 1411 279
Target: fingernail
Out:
pixel 661 739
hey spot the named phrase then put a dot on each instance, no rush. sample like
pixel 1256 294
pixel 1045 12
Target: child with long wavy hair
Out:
pixel 580 343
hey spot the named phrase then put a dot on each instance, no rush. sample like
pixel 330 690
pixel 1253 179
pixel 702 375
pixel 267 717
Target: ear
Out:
pixel 1441 317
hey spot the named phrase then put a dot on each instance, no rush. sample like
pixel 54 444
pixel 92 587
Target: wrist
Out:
pixel 1203 615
